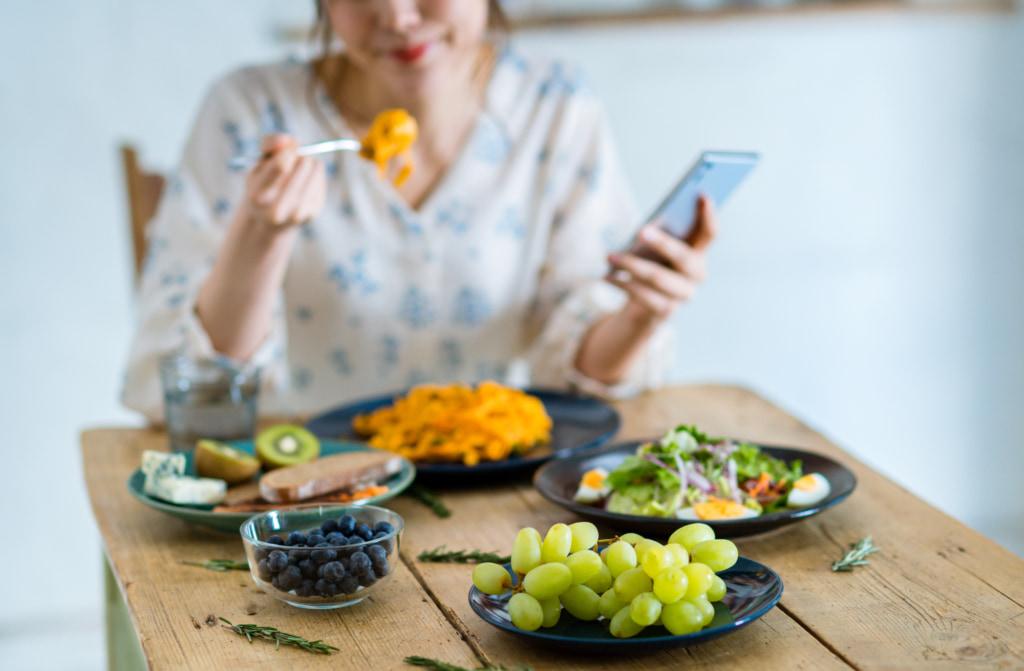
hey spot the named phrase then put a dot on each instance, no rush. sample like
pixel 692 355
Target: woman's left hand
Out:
pixel 656 288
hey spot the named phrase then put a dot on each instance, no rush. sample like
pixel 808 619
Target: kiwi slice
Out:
pixel 286 445
pixel 214 459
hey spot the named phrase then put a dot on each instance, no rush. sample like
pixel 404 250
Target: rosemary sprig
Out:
pixel 219 564
pixel 436 665
pixel 251 631
pixel 857 556
pixel 429 499
pixel 444 555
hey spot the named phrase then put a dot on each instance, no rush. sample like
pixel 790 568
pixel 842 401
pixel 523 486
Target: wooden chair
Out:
pixel 144 190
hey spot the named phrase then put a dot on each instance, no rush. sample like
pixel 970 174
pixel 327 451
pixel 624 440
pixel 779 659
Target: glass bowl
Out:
pixel 355 556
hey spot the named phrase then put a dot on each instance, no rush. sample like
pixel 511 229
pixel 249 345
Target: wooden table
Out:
pixel 938 595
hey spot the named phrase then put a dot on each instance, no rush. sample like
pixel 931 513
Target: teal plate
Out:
pixel 203 515
pixel 751 590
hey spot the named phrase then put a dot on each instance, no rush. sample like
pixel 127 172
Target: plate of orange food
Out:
pixel 457 429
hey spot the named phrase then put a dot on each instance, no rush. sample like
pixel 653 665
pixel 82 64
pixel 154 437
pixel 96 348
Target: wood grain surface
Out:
pixel 938 595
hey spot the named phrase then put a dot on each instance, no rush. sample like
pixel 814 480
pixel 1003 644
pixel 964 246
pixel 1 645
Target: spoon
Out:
pixel 305 150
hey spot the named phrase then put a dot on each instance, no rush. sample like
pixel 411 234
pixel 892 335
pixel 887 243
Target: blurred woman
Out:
pixel 496 259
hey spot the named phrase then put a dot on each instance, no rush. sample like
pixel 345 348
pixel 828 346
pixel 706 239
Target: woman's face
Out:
pixel 410 46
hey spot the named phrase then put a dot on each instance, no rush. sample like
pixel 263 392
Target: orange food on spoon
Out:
pixel 391 135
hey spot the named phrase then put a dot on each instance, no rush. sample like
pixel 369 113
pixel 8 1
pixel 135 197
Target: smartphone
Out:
pixel 716 174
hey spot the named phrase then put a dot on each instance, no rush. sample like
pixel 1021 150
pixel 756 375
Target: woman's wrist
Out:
pixel 256 238
pixel 613 344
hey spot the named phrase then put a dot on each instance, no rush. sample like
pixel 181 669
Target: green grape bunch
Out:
pixel 630 582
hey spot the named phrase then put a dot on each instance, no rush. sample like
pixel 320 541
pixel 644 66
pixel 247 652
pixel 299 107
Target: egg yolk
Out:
pixel 593 479
pixel 718 509
pixel 392 133
pixel 807 483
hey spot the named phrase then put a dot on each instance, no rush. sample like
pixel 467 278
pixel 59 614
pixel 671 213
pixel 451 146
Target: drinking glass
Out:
pixel 208 398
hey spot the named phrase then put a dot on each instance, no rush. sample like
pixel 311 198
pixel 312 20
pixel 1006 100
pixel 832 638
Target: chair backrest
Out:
pixel 144 191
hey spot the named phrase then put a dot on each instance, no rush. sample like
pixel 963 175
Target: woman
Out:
pixel 487 260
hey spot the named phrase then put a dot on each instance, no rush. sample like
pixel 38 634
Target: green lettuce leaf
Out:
pixel 632 469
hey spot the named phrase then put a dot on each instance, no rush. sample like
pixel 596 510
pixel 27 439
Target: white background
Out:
pixel 867 278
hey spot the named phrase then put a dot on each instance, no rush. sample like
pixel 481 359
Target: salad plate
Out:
pixel 578 423
pixel 559 479
pixel 751 590
pixel 203 515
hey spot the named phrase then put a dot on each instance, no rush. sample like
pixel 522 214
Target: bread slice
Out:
pixel 245 493
pixel 327 474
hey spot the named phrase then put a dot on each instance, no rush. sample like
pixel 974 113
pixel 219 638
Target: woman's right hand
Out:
pixel 284 189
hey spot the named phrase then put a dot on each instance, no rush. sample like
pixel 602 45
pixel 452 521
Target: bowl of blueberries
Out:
pixel 322 556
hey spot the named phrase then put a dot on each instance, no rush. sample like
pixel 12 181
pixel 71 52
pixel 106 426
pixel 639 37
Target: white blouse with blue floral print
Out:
pixel 496 276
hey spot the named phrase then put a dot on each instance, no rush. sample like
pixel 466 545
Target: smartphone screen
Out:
pixel 716 174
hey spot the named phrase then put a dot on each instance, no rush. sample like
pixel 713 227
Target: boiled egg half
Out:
pixel 808 490
pixel 592 487
pixel 716 509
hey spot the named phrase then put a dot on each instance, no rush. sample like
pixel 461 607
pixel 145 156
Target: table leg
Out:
pixel 124 653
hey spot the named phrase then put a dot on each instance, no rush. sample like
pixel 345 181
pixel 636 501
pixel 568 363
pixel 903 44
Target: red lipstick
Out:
pixel 412 53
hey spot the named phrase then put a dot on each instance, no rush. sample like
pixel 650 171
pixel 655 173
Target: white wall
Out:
pixel 866 277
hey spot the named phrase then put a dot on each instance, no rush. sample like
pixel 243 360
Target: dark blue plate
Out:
pixel 203 515
pixel 751 590
pixel 558 481
pixel 578 423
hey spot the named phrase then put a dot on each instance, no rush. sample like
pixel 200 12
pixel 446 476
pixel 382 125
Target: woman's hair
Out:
pixel 497 23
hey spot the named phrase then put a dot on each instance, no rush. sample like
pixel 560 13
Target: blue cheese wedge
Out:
pixel 162 464
pixel 185 489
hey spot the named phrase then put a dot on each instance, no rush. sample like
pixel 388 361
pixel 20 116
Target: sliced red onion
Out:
pixel 699 481
pixel 734 488
pixel 658 462
pixel 683 481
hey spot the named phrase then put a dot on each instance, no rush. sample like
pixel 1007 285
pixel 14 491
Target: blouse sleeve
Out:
pixel 596 215
pixel 182 242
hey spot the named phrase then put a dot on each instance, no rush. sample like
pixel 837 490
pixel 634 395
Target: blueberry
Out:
pixel 367 579
pixel 275 540
pixel 308 568
pixel 359 564
pixel 306 588
pixel 323 554
pixel 351 545
pixel 334 538
pixel 296 538
pixel 263 569
pixel 325 588
pixel 349 584
pixel 346 524
pixel 387 544
pixel 260 553
pixel 297 555
pixel 364 531
pixel 313 540
pixel 383 526
pixel 277 561
pixel 332 571
pixel 376 553
pixel 381 568
pixel 289 579
pixel 328 526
